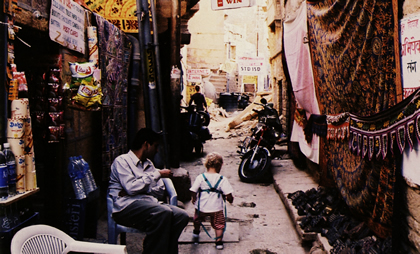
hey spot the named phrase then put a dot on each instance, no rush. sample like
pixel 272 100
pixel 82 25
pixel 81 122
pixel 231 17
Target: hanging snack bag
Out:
pixel 89 92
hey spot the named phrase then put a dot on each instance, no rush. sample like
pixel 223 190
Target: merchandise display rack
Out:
pixel 18 197
pixel 7 235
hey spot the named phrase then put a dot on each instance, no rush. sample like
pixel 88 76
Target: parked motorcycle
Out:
pixel 256 150
pixel 194 130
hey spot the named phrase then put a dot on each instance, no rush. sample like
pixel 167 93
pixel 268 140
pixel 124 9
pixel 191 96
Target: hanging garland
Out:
pixel 392 128
pixel 373 135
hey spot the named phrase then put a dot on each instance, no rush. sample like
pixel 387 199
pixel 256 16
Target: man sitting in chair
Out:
pixel 135 186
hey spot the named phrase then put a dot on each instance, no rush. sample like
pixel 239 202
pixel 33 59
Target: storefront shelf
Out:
pixel 18 197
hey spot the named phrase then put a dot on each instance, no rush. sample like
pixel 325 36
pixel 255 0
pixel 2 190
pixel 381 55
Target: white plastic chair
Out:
pixel 44 239
pixel 115 229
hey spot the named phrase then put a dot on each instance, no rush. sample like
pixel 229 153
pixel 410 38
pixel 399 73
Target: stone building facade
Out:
pixel 410 191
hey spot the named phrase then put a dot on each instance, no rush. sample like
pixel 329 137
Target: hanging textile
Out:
pixel 353 48
pixel 114 56
pixel 298 60
pixel 391 130
pixel 120 13
pixel 338 126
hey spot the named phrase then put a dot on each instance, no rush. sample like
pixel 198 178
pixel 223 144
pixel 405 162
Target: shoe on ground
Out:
pixel 219 245
pixel 196 237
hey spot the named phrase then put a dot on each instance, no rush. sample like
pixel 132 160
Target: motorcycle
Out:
pixel 194 130
pixel 256 150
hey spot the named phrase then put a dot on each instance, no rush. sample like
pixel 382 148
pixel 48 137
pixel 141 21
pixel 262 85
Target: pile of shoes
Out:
pixel 325 212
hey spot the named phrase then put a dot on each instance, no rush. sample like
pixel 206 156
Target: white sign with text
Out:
pixel 204 72
pixel 410 53
pixel 251 65
pixel 67 24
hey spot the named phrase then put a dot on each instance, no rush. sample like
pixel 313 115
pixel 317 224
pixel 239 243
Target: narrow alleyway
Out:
pixel 259 222
pixel 262 220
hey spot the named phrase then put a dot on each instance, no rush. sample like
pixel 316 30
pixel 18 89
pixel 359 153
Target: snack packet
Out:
pixel 86 82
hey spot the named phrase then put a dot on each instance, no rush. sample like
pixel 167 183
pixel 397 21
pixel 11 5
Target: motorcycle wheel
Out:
pixel 255 170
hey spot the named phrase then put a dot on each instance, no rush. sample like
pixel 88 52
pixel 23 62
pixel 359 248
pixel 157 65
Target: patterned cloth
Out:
pixel 317 124
pixel 338 126
pixel 354 47
pixel 391 129
pixel 120 13
pixel 114 56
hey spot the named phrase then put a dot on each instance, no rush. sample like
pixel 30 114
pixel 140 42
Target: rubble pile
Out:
pixel 323 211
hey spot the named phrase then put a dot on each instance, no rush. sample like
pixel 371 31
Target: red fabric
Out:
pixel 217 219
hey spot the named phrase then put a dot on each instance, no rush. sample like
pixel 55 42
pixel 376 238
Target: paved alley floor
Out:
pixel 258 221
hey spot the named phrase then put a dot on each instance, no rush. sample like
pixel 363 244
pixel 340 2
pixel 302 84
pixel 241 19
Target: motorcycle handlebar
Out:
pixel 260 104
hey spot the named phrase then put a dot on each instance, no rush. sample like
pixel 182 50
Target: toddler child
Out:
pixel 207 193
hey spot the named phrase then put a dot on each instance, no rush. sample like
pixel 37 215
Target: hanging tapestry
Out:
pixel 120 13
pixel 114 55
pixel 353 47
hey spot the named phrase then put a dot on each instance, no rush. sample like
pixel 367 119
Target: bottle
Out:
pixel 5 223
pixel 76 179
pixel 85 180
pixel 4 177
pixel 88 174
pixel 11 167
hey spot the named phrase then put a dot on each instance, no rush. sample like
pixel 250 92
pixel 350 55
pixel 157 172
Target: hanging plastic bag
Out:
pixel 86 85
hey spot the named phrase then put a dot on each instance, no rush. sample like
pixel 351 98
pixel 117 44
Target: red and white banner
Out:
pixel 193 78
pixel 228 4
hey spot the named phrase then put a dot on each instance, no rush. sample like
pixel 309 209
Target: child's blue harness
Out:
pixel 211 189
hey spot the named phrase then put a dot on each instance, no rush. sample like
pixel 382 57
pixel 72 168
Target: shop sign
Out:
pixel 229 4
pixel 193 78
pixel 204 72
pixel 67 24
pixel 251 65
pixel 250 79
pixel 410 53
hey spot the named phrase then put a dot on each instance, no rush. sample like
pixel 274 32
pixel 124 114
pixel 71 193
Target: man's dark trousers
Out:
pixel 162 223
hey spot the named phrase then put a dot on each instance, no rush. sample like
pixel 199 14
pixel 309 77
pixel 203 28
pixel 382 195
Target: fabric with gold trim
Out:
pixel 120 13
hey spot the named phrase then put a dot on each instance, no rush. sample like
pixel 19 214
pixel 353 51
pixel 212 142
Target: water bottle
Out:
pixel 88 174
pixel 76 179
pixel 5 223
pixel 4 177
pixel 11 167
pixel 85 180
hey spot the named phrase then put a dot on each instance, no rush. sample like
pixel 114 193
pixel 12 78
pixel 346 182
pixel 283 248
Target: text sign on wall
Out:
pixel 194 78
pixel 228 4
pixel 251 65
pixel 204 72
pixel 67 24
pixel 410 53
